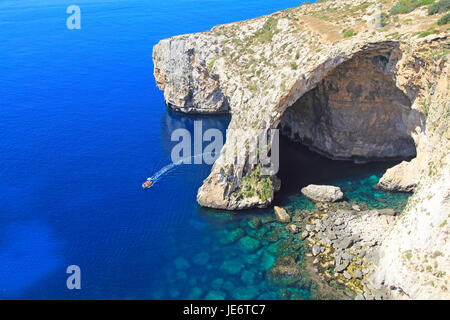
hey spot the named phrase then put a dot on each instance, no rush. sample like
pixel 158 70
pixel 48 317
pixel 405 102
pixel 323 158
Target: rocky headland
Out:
pixel 353 80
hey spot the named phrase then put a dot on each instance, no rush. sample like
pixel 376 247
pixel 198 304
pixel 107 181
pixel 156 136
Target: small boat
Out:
pixel 147 184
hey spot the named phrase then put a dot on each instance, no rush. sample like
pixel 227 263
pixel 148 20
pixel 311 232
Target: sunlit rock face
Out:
pixel 182 71
pixel 356 112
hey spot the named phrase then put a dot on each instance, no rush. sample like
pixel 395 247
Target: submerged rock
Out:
pixel 273 236
pixel 201 258
pixel 174 293
pixel 284 272
pixel 289 247
pixel 217 284
pixel 270 295
pixel 323 193
pixel 231 266
pixel 248 276
pixel 251 258
pixel 267 261
pixel 181 275
pixel 216 295
pixel 267 219
pixel 229 237
pixel 195 294
pixel 181 263
pixel 255 223
pixel 245 293
pixel 228 286
pixel 249 244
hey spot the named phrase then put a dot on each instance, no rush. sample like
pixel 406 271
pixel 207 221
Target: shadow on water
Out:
pixel 172 120
pixel 299 167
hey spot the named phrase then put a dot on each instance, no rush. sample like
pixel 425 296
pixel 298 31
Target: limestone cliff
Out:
pixel 345 79
pixel 415 257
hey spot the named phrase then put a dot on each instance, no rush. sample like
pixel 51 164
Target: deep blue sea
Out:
pixel 82 125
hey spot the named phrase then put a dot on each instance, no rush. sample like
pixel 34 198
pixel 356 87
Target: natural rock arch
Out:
pixel 355 112
pixel 332 97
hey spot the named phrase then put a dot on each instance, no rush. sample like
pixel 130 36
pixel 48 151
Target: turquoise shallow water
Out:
pixel 83 125
pixel 234 259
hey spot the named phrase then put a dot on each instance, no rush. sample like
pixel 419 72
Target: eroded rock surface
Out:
pixel 281 215
pixel 285 271
pixel 356 112
pixel 415 256
pixel 323 193
pixel 344 246
pixel 181 70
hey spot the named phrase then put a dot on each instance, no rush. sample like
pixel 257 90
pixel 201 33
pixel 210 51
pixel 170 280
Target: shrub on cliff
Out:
pixel 211 64
pixel 349 33
pixel 407 6
pixel 268 30
pixel 426 33
pixel 444 20
pixel 384 17
pixel 439 7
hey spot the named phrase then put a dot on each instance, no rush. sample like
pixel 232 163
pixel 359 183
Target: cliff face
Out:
pixel 329 75
pixel 415 257
pixel 181 71
pixel 346 118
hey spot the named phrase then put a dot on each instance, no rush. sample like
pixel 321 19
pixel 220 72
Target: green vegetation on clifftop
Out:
pixel 439 7
pixel 407 6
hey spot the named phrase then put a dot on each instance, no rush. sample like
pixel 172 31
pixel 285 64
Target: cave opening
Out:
pixel 355 113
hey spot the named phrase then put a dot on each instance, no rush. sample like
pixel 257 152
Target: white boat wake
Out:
pixel 163 171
